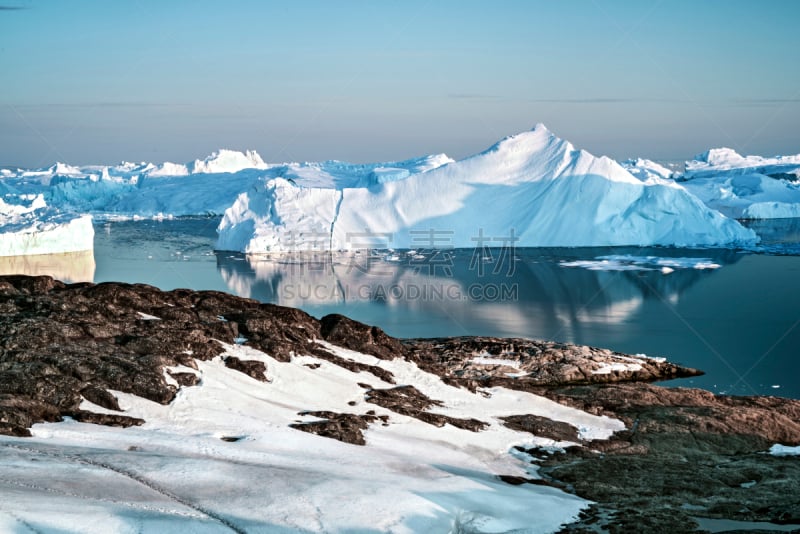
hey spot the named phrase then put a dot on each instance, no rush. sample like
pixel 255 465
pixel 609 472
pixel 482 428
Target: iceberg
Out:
pixel 69 196
pixel 130 190
pixel 228 161
pixel 33 227
pixel 532 189
pixel 745 187
pixel 204 187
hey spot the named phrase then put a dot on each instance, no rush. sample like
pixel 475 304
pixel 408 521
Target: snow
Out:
pixel 747 195
pixel 608 368
pixel 481 360
pixel 784 450
pixel 532 189
pixel 658 359
pixel 175 473
pixel 741 187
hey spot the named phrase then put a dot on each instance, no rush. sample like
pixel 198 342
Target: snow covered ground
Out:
pixel 176 474
pixel 743 187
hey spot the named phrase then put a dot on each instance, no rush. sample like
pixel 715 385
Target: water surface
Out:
pixel 734 314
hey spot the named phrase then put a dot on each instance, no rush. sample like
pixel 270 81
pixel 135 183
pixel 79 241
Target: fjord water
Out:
pixel 733 314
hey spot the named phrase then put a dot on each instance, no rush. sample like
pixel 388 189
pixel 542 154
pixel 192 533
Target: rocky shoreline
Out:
pixel 686 453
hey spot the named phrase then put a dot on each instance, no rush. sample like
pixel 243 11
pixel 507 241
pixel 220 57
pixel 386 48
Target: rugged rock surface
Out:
pixel 60 344
pixel 543 427
pixel 359 337
pixel 523 363
pixel 687 454
pixel 252 368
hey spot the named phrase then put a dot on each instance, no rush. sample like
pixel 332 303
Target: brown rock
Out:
pixel 345 427
pixel 252 368
pixel 123 421
pixel 345 332
pixel 542 427
pixel 408 400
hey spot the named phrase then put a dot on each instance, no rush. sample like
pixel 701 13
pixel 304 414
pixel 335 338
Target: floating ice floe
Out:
pixel 625 262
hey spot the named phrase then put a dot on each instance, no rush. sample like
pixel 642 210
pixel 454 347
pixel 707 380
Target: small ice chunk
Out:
pixel 784 450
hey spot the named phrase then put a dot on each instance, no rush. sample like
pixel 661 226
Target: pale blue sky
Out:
pixel 97 81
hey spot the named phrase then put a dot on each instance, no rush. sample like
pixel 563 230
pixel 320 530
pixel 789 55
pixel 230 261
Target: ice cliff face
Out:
pixel 531 189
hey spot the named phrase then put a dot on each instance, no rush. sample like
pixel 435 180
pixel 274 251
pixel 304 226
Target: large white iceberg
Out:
pixel 531 189
pixel 34 228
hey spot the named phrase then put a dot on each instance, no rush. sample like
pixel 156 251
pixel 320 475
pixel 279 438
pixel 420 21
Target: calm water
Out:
pixel 738 318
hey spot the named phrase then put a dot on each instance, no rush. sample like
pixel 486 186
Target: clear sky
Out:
pixel 98 81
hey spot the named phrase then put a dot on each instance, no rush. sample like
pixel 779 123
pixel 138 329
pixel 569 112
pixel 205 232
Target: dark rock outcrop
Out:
pixel 252 368
pixel 60 344
pixel 350 334
pixel 346 427
pixel 687 453
pixel 542 427
pixel 123 421
pixel 408 400
pixel 350 365
pixel 486 362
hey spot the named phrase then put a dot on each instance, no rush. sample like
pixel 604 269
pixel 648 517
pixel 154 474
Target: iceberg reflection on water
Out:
pixel 70 267
pixel 533 293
